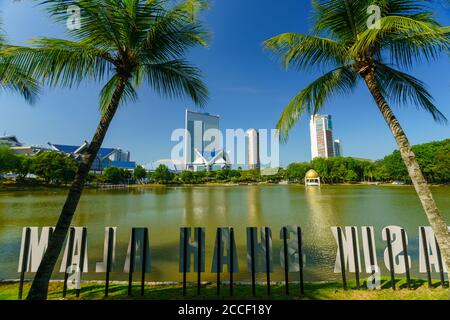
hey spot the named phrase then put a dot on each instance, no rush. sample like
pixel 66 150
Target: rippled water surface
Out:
pixel 165 210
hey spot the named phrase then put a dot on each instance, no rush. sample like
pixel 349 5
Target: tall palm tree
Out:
pixel 343 41
pixel 129 43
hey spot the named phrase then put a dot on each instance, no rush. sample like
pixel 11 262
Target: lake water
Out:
pixel 165 210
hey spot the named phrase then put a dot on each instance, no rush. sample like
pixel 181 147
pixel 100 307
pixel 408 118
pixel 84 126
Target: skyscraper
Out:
pixel 338 148
pixel 197 124
pixel 253 149
pixel 322 143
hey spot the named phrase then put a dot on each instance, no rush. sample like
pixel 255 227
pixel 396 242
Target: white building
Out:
pixel 200 152
pixel 10 141
pixel 322 143
pixel 253 149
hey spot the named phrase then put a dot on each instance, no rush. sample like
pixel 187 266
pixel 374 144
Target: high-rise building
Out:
pixel 322 143
pixel 253 149
pixel 338 148
pixel 197 124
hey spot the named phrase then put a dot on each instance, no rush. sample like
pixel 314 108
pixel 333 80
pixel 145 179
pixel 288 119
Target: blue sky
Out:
pixel 248 90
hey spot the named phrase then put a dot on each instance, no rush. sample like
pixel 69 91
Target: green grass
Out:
pixel 313 291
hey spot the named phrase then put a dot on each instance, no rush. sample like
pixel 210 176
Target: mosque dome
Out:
pixel 312 174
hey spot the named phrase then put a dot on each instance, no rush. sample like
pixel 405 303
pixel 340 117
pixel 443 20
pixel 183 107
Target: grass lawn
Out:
pixel 313 291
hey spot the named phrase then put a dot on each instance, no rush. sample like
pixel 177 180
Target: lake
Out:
pixel 165 210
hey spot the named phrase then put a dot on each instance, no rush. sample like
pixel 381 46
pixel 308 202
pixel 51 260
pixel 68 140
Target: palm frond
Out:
pixel 14 79
pixel 132 39
pixel 405 51
pixel 342 20
pixel 61 62
pixel 173 32
pixel 176 79
pixel 403 89
pixel 394 33
pixel 417 10
pixel 306 51
pixel 312 98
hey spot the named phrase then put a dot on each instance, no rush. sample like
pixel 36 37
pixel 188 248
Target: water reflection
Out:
pixel 165 210
pixel 254 207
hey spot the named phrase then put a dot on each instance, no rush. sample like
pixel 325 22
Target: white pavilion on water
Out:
pixel 312 178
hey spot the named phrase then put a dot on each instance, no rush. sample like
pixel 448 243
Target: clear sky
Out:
pixel 248 90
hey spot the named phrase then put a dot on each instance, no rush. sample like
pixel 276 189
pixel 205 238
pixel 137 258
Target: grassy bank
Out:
pixel 313 291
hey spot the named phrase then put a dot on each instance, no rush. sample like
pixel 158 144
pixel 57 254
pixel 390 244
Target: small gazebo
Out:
pixel 312 178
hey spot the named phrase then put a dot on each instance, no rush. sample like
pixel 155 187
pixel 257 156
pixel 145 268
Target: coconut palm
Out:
pixel 126 43
pixel 348 41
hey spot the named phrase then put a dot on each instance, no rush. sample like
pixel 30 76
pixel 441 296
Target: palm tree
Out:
pixel 343 41
pixel 129 43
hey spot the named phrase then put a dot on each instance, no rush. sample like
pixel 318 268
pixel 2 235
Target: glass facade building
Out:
pixel 322 142
pixel 197 124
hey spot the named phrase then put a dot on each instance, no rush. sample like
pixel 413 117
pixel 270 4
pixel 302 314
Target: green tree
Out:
pixel 8 160
pixel 129 43
pixel 322 167
pixel 222 175
pixel 351 176
pixel 368 170
pixel 441 167
pixel 297 171
pixel 187 177
pixel 163 175
pixel 407 33
pixel 24 167
pixel 395 167
pixel 139 173
pixel 380 171
pixel 54 167
pixel 116 175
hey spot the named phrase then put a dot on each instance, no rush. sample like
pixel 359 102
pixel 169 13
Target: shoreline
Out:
pixel 42 187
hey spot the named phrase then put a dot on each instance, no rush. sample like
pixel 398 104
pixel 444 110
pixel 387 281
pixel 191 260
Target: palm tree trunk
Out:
pixel 435 217
pixel 39 287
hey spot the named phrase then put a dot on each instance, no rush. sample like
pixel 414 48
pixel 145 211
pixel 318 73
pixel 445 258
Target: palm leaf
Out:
pixel 61 62
pixel 423 38
pixel 12 78
pixel 312 98
pixel 403 89
pixel 176 79
pixel 306 51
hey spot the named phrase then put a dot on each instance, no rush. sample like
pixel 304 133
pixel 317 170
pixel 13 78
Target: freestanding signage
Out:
pixel 350 240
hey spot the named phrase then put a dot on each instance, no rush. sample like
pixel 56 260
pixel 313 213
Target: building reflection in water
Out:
pixel 321 217
pixel 207 207
pixel 254 208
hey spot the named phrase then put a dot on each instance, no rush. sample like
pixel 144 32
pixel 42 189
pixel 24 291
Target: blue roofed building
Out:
pixel 106 157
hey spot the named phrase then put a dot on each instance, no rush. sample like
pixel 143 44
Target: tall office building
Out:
pixel 338 148
pixel 253 149
pixel 197 124
pixel 322 143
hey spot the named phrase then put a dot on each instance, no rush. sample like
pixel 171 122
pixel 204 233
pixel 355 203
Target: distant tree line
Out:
pixel 163 175
pixel 51 167
pixel 54 167
pixel 434 159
